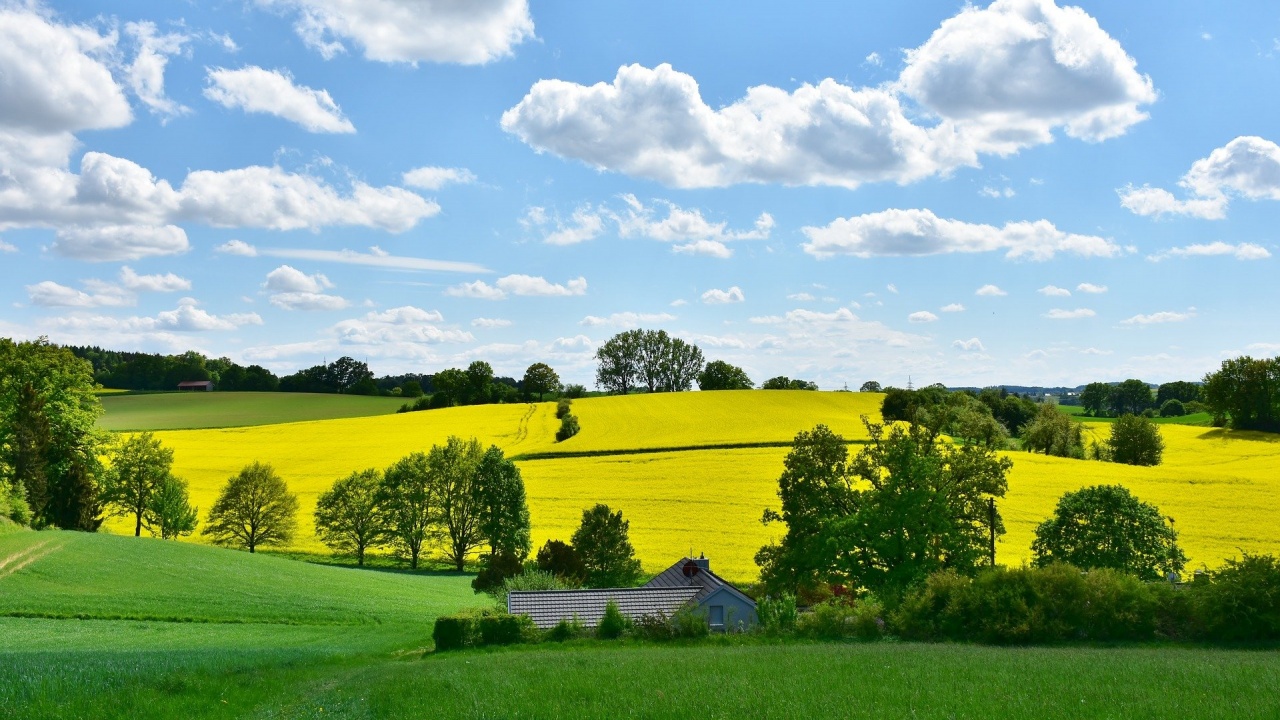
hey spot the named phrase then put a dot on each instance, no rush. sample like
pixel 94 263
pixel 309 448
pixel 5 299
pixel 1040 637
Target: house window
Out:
pixel 716 616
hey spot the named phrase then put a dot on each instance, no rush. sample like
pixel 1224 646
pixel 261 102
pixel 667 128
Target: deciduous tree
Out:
pixel 540 378
pixel 408 503
pixel 255 508
pixel 870 386
pixel 348 516
pixel 1135 440
pixel 618 362
pixel 1105 526
pixel 452 474
pixel 1246 393
pixel 170 514
pixel 1053 432
pixel 720 375
pixel 602 541
pixel 139 464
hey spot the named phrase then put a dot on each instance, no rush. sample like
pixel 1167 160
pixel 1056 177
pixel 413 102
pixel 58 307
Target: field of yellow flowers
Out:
pixel 1221 488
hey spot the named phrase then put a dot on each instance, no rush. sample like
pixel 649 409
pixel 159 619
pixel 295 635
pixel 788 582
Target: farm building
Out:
pixel 196 386
pixel 687 584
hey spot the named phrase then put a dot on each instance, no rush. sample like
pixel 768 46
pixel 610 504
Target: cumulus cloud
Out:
pixel 406 315
pixel 953 308
pixel 1248 167
pixel 1159 317
pixel 585 224
pixel 970 345
pixel 921 232
pixel 1054 291
pixel 274 92
pixel 167 282
pixel 289 279
pixel 237 247
pixel 146 72
pixel 923 316
pixel 687 229
pixel 51 294
pixel 107 243
pixel 188 317
pixel 1091 288
pixel 627 319
pixel 308 301
pixel 490 323
pixel 1242 251
pixel 7 248
pixel 412 31
pixel 991 81
pixel 521 285
pixel 1059 314
pixel 801 297
pixel 434 178
pixel 721 297
pixel 398 332
pixel 990 291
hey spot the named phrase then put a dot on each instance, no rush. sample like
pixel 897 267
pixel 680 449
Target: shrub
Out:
pixel 451 632
pixel 503 629
pixel 777 615
pixel 838 619
pixel 495 571
pixel 530 579
pixel 613 624
pixel 562 560
pixel 1105 526
pixel 1120 606
pixel 574 392
pixel 653 627
pixel 568 428
pixel 566 630
pixel 1173 408
pixel 562 408
pixel 687 622
pixel 13 504
pixel 1241 601
pixel 935 610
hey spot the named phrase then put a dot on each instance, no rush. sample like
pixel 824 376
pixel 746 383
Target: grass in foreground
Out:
pixel 190 410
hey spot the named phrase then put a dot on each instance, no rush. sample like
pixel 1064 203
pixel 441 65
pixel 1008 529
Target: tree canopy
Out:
pixel 540 378
pixel 1105 526
pixel 140 465
pixel 255 508
pixel 603 544
pixel 348 516
pixel 720 375
pixel 1245 393
pixel 1135 440
pixel 651 359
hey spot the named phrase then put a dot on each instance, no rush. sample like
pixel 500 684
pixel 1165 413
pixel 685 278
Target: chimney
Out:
pixel 702 562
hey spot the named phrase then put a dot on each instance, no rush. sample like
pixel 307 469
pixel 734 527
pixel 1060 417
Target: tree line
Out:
pixel 654 361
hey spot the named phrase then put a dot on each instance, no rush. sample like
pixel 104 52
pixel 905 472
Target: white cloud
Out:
pixel 274 92
pixel 375 258
pixel 1159 317
pixel 990 291
pixel 1054 291
pixel 1059 314
pixel 891 288
pixel 106 243
pixel 7 248
pixel 996 80
pixel 585 225
pixel 237 247
pixel 920 232
pixel 706 248
pixel 627 319
pixel 51 294
pixel 996 193
pixel 187 317
pixel 490 323
pixel 953 308
pixel 522 285
pixel 406 315
pixel 473 32
pixel 289 279
pixel 720 297
pixel 923 316
pixel 146 72
pixel 970 345
pixel 874 59
pixel 434 178
pixel 1242 251
pixel 801 297
pixel 678 302
pixel 1091 288
pixel 152 283
pixel 689 230
pixel 1248 167
pixel 308 301
pixel 1094 351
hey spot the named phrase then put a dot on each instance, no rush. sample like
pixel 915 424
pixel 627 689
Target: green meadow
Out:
pixel 192 410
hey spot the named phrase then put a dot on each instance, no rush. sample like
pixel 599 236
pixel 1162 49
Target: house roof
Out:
pixel 548 607
pixel 195 383
pixel 703 579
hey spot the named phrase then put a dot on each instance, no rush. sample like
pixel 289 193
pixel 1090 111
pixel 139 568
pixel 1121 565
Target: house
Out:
pixel 196 386
pixel 688 583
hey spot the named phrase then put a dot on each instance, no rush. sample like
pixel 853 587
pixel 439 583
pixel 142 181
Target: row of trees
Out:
pixel 1245 394
pixel 648 359
pixel 147 371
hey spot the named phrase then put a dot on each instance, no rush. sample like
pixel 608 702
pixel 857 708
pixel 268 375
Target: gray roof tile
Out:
pixel 548 607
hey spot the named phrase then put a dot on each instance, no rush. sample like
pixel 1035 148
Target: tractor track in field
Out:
pixel 522 427
pixel 23 558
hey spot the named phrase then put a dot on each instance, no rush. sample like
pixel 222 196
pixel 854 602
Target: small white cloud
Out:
pixel 146 73
pixel 970 345
pixel 990 291
pixel 678 302
pixel 434 178
pixel 237 247
pixel 1054 291
pixel 522 285
pixel 1036 355
pixel 953 308
pixel 289 279
pixel 1095 351
pixel 923 316
pixel 1248 167
pixel 1091 288
pixel 627 319
pixel 7 248
pixel 585 224
pixel 891 288
pixel 1159 318
pixel 51 294
pixel 490 323
pixel 1059 314
pixel 109 243
pixel 308 301
pixel 874 59
pixel 997 193
pixel 1243 251
pixel 721 297
pixel 152 283
pixel 273 92
pixel 801 297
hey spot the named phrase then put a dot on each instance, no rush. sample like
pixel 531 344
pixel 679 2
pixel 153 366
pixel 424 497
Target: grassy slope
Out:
pixel 1199 419
pixel 173 411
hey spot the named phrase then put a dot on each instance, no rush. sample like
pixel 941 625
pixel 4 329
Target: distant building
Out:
pixel 196 386
pixel 687 584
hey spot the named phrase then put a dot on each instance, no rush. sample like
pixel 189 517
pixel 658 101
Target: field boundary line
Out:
pixel 30 557
pixel 569 454
pixel 4 562
pixel 176 619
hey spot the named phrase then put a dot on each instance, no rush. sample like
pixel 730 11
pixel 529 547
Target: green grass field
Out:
pixel 182 411
pixel 1203 419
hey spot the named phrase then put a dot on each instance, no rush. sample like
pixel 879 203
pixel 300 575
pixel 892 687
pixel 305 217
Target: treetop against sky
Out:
pixel 1017 192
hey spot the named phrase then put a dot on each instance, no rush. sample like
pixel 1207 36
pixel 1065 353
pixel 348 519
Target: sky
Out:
pixel 1018 192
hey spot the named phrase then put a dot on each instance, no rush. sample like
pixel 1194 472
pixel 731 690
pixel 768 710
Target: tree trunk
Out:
pixel 137 529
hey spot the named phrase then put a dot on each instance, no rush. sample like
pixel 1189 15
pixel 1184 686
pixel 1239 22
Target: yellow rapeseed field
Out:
pixel 1222 488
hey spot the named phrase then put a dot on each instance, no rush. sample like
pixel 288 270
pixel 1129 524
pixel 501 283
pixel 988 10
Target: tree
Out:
pixel 139 464
pixel 1181 390
pixel 411 389
pixel 1104 526
pixel 781 382
pixel 681 365
pixel 618 362
pixel 348 516
pixel 48 430
pixel 907 505
pixel 408 505
pixel 540 378
pixel 169 513
pixel 504 518
pixel 1053 432
pixel 254 508
pixel 602 542
pixel 652 348
pixel 561 560
pixel 452 474
pixel 479 378
pixel 720 375
pixel 346 373
pixel 1135 440
pixel 1094 398
pixel 450 384
pixel 1130 397
pixel 1246 393
pixel 1172 408
pixel 870 386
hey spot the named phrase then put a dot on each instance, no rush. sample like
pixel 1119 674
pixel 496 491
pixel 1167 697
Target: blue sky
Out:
pixel 1019 192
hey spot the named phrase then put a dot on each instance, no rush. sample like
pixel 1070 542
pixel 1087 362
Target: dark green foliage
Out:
pixel 1181 391
pixel 842 618
pixel 562 561
pixel 720 375
pixel 566 630
pixel 562 408
pixel 411 389
pixel 139 464
pixel 540 378
pixel 348 516
pixel 1130 397
pixel 254 508
pixel 502 629
pixel 1105 526
pixel 871 386
pixel 568 428
pixel 1135 440
pixel 29 455
pixel 451 387
pixel 170 514
pixel 1245 392
pixel 1241 601
pixel 1053 432
pixel 689 622
pixel 344 375
pixel 908 504
pixel 782 382
pixel 612 624
pixel 477 628
pixel 504 517
pixel 1172 408
pixel 647 358
pixel 13 504
pixel 573 392
pixel 364 386
pixel 450 632
pixel 1095 397
pixel 408 505
pixel 74 495
pixel 776 614
pixel 453 477
pixel 602 542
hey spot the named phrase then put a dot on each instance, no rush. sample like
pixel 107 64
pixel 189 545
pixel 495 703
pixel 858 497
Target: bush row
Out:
pixel 479 628
pixel 568 421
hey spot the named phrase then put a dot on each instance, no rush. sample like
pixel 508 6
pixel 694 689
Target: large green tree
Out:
pixel 1130 397
pixel 348 516
pixel 1094 398
pixel 907 505
pixel 1180 390
pixel 504 519
pixel 139 464
pixel 1246 393
pixel 451 384
pixel 1053 432
pixel 540 378
pixel 1105 526
pixel 453 478
pixel 720 375
pixel 618 362
pixel 170 514
pixel 1135 440
pixel 408 505
pixel 255 508
pixel 603 543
